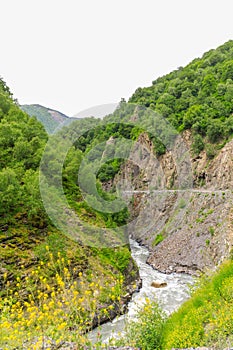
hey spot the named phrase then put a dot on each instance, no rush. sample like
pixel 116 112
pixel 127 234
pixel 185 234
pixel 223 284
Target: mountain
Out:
pixel 169 152
pixel 50 118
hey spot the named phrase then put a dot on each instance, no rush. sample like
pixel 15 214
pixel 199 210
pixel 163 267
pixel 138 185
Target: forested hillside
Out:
pixel 50 118
pixel 42 271
pixel 22 140
pixel 197 97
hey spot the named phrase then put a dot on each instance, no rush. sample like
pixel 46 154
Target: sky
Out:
pixel 71 55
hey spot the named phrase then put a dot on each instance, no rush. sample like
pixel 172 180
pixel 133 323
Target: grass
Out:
pixel 207 318
pixel 118 257
pixel 158 239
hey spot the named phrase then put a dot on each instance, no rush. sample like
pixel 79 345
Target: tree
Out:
pixel 10 192
pixel 227 70
pixel 214 131
pixel 197 145
pixel 194 114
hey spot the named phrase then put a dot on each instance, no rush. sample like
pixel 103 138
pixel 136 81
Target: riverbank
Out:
pixel 169 297
pixel 132 283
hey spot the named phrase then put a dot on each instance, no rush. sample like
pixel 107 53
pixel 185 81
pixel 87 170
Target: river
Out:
pixel 169 297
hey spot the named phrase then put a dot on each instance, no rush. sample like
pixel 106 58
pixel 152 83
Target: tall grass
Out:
pixel 207 318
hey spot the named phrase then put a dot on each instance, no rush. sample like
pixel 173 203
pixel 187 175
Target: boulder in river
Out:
pixel 158 284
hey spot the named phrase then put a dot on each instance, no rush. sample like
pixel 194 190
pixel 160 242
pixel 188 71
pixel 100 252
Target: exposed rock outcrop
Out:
pixel 181 207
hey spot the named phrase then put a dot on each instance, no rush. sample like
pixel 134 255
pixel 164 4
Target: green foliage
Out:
pixel 159 238
pixel 211 230
pixel 22 140
pixel 50 118
pixel 56 243
pixel 182 203
pixel 197 97
pixel 59 302
pixel 146 331
pixel 118 258
pixel 109 169
pixel 159 147
pixel 205 319
pixel 210 150
pixel 215 131
pixel 9 191
pixel 197 145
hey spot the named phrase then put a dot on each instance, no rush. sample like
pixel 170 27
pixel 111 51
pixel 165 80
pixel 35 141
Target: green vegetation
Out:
pixel 198 144
pixel 22 140
pixel 197 97
pixel 182 203
pixel 50 118
pixel 36 258
pixel 146 331
pixel 109 170
pixel 207 318
pixel 159 238
pixel 119 258
pixel 211 230
pixel 57 306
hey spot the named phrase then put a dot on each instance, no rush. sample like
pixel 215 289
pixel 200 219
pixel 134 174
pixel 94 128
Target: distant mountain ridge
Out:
pixel 52 119
pixel 49 117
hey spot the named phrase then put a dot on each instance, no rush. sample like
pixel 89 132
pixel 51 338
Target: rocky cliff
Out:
pixel 187 229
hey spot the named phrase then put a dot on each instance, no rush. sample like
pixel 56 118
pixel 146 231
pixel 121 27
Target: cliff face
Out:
pixel 186 230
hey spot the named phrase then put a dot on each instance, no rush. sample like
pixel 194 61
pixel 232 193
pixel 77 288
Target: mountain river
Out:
pixel 169 297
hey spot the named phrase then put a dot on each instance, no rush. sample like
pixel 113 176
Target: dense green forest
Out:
pixel 197 97
pixel 37 258
pixel 22 140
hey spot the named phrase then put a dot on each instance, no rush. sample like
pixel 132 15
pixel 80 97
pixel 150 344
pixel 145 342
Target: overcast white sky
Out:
pixel 74 54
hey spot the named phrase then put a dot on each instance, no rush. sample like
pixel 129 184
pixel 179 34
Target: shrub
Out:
pixel 182 203
pixel 214 131
pixel 197 145
pixel 146 331
pixel 159 238
pixel 211 230
pixel 210 151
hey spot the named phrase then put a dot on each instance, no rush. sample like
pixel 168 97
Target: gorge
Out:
pixel 157 170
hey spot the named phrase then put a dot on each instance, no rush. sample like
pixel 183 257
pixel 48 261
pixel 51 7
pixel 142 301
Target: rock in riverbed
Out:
pixel 158 284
